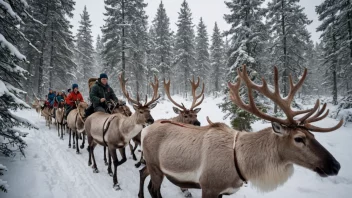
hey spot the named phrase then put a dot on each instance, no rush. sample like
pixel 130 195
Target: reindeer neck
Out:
pixel 259 160
pixel 130 126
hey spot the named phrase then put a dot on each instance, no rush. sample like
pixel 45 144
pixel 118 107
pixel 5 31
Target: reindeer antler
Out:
pixel 195 98
pixel 156 96
pixel 283 103
pixel 123 88
pixel 167 91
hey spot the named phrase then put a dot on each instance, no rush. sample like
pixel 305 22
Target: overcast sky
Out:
pixel 211 10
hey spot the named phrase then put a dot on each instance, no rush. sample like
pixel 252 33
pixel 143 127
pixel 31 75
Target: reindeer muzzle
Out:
pixel 330 168
pixel 196 123
pixel 150 121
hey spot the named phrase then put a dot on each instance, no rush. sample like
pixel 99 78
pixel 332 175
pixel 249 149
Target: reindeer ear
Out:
pixel 152 105
pixel 176 110
pixel 197 110
pixel 278 128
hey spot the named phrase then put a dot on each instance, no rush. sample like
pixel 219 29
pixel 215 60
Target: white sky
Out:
pixel 211 10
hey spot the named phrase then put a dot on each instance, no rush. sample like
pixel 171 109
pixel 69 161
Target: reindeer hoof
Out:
pixel 89 163
pixel 82 147
pixel 74 146
pixel 186 193
pixel 134 158
pixel 69 146
pixel 106 163
pixel 117 187
pixel 95 170
pixel 77 152
pixel 138 164
pixel 110 174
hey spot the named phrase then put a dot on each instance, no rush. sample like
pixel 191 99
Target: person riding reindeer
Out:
pixel 71 99
pixel 101 93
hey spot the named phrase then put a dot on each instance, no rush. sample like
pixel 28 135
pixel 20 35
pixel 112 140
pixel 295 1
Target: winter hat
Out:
pixel 50 89
pixel 74 86
pixel 103 75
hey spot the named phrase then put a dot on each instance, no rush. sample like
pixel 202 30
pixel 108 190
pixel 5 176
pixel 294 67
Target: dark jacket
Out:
pixel 51 97
pixel 99 91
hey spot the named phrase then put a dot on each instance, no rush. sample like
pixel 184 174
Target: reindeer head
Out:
pixel 81 107
pixel 142 111
pixel 188 116
pixel 293 138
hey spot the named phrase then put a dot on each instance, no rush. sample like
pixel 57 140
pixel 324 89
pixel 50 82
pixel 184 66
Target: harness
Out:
pixel 106 127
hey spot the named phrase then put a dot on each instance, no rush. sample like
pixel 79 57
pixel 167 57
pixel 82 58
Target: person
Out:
pixel 68 91
pixel 64 95
pixel 59 97
pixel 101 93
pixel 51 97
pixel 71 99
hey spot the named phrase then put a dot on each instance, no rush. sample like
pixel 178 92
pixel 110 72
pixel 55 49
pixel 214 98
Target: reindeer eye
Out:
pixel 299 140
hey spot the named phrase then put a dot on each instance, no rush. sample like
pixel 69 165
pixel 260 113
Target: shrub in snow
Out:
pixel 12 15
pixel 344 110
pixel 3 184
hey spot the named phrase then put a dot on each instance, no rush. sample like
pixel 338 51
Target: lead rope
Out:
pixel 236 161
pixel 106 129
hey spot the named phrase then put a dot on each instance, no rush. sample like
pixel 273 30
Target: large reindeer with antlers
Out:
pixel 115 131
pixel 219 159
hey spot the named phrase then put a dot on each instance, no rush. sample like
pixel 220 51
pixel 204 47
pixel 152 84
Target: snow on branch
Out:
pixel 13 50
pixel 5 6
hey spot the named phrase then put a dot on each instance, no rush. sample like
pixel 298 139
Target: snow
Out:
pixel 51 169
pixel 4 90
pixel 13 50
pixel 9 10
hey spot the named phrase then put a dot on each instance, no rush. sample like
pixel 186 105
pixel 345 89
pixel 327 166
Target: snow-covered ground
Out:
pixel 51 169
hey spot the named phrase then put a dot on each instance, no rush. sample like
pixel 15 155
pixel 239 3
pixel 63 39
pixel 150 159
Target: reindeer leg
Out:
pixel 105 160
pixel 77 147
pixel 123 154
pixel 90 143
pixel 156 178
pixel 112 151
pixel 132 151
pixel 141 161
pixel 95 168
pixel 207 193
pixel 69 138
pixel 109 165
pixel 58 129
pixel 143 174
pixel 83 141
pixel 62 131
pixel 73 139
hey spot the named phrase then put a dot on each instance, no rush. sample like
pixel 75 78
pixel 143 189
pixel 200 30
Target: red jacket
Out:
pixel 72 97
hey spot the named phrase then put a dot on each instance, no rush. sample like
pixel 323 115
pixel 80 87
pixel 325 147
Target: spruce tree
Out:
pixel 14 14
pixel 202 52
pixel 184 47
pixel 85 50
pixel 162 41
pixel 216 59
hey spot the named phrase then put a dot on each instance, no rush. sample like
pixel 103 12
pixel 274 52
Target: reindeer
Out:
pixel 47 112
pixel 186 116
pixel 37 105
pixel 60 118
pixel 75 124
pixel 115 131
pixel 218 159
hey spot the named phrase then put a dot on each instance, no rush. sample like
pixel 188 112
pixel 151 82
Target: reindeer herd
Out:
pixel 214 158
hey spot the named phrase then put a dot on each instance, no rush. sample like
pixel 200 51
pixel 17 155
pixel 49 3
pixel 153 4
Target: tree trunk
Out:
pixel 334 91
pixel 284 44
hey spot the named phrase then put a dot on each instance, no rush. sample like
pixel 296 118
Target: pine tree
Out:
pixel 248 35
pixel 185 50
pixel 202 52
pixel 14 14
pixel 136 39
pixel 290 38
pixel 85 50
pixel 163 41
pixel 99 63
pixel 217 59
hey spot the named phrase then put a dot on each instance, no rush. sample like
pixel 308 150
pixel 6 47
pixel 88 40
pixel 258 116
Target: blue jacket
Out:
pixel 51 97
pixel 59 98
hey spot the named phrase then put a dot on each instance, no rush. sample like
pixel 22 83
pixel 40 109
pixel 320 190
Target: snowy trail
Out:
pixel 51 169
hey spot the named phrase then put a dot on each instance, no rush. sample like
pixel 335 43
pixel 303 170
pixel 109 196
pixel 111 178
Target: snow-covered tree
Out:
pixel 202 52
pixel 99 63
pixel 85 50
pixel 13 16
pixel 217 54
pixel 162 41
pixel 290 38
pixel 184 47
pixel 136 39
pixel 248 35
